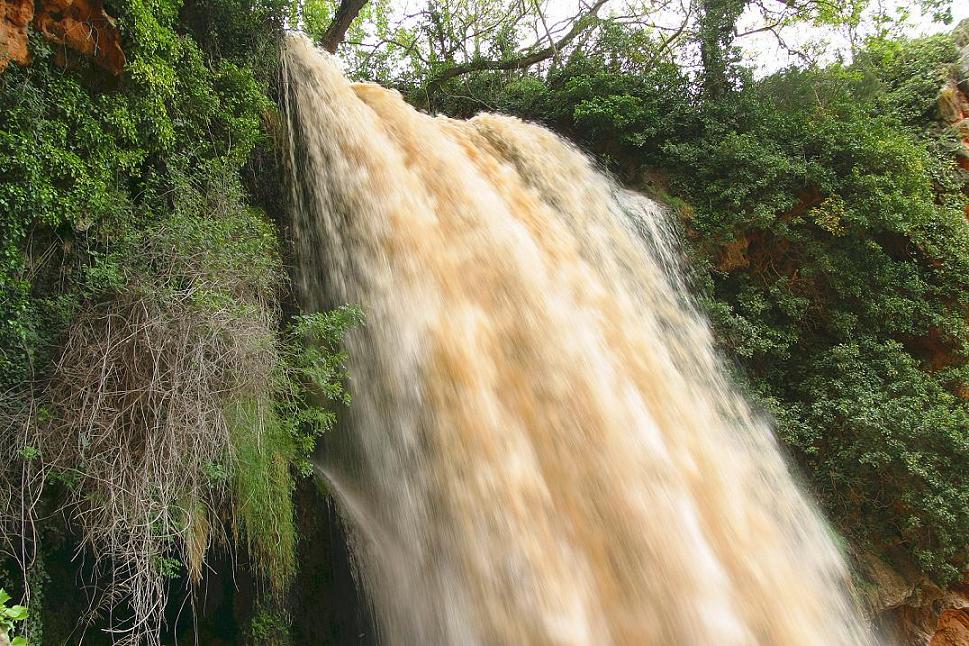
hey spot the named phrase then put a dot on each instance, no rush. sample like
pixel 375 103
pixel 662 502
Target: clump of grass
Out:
pixel 273 440
pixel 262 485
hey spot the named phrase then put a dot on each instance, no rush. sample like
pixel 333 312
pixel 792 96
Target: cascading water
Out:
pixel 543 449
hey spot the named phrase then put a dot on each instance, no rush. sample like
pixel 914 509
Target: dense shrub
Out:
pixel 836 248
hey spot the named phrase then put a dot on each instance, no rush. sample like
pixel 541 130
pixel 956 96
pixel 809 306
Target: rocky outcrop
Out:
pixel 734 254
pixel 81 26
pixel 934 617
pixel 953 629
pixel 911 608
pixel 15 16
pixel 85 27
pixel 953 100
pixel 953 105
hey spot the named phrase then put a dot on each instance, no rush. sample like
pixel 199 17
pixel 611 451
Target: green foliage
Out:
pixel 853 291
pixel 717 28
pixel 268 626
pixel 373 20
pixel 245 33
pixel 885 442
pixel 314 374
pixel 616 94
pixel 81 159
pixel 210 251
pixel 10 616
pixel 39 582
pixel 910 74
pixel 313 16
pixel 262 486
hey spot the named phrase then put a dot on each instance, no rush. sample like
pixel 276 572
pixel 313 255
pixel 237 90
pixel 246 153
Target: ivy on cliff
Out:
pixel 834 241
pixel 81 159
pixel 132 257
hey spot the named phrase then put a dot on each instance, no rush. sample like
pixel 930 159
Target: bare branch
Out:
pixel 526 59
pixel 668 42
pixel 548 34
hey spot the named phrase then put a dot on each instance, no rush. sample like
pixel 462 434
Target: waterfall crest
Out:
pixel 542 447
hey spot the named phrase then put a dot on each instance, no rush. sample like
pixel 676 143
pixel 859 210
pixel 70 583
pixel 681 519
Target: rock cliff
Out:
pixel 81 26
pixel 15 17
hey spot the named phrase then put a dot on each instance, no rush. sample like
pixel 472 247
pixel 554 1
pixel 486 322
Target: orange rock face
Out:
pixel 15 16
pixel 734 254
pixel 953 629
pixel 83 26
pixel 74 25
pixel 913 610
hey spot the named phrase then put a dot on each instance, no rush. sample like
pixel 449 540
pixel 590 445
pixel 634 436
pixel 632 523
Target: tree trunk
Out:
pixel 718 20
pixel 342 20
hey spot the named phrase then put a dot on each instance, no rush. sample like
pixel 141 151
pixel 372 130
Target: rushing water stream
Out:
pixel 542 447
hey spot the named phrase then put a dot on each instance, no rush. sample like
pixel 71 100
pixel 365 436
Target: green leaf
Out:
pixel 16 613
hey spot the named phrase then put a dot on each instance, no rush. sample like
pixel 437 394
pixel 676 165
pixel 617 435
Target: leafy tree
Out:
pixel 717 29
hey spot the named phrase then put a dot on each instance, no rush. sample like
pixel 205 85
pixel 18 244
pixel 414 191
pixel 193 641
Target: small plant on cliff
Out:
pixel 10 616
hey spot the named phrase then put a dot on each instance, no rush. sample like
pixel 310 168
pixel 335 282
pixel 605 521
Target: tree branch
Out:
pixel 342 20
pixel 548 34
pixel 526 59
pixel 668 42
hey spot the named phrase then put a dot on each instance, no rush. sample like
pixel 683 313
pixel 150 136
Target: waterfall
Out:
pixel 542 447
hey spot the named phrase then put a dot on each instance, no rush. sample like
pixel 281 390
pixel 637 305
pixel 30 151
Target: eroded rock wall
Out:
pixel 15 17
pixel 72 26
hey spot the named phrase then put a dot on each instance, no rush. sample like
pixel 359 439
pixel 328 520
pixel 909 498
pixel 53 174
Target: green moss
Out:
pixel 273 439
pixel 269 626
